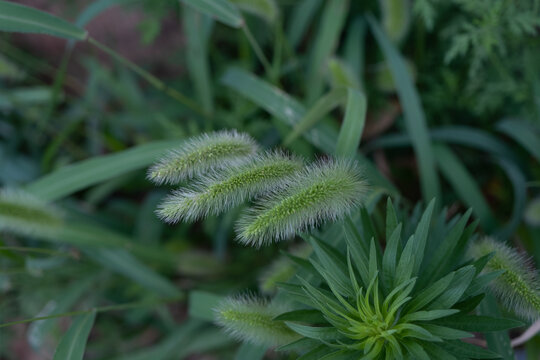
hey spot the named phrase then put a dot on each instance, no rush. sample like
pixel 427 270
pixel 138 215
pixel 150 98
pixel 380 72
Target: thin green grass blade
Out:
pixel 249 351
pixel 524 134
pixel 519 186
pixel 123 263
pixel 302 15
pixel 290 111
pixel 326 41
pixel 75 177
pixel 317 112
pixel 353 124
pixel 73 343
pixel 20 18
pixel 415 120
pixel 201 305
pixel 497 341
pixel 222 10
pixel 38 330
pixel 458 135
pixel 197 29
pixel 464 185
pixel 96 8
pixel 266 9
pixel 354 48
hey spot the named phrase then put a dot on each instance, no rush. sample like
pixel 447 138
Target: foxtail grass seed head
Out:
pixel 24 214
pixel 250 319
pixel 201 154
pixel 518 287
pixel 220 191
pixel 325 190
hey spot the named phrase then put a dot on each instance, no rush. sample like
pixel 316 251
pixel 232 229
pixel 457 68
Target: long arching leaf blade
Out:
pixel 20 18
pixel 73 343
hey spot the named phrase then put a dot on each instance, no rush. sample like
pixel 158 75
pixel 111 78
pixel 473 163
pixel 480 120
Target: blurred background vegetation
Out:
pixel 453 112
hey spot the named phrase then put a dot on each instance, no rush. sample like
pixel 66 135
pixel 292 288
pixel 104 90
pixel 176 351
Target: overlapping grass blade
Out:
pixel 413 114
pixel 288 110
pixel 353 125
pixel 73 344
pixel 303 14
pixel 266 9
pixel 222 10
pixel 96 8
pixel 71 178
pixel 316 113
pixel 326 41
pixel 122 262
pixel 20 18
pixel 464 185
pixel 197 28
pixel 524 134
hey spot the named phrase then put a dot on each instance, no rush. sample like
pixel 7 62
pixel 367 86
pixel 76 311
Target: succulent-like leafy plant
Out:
pixel 517 287
pixel 370 304
pixel 292 198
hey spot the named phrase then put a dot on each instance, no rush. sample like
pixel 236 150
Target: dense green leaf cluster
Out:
pixel 406 302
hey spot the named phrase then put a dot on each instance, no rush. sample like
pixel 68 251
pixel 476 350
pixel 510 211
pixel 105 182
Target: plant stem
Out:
pixel 151 79
pixel 124 306
pixel 258 51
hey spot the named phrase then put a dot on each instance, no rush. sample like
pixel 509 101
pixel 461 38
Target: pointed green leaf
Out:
pixel 353 125
pixel 478 323
pixel 317 333
pixel 465 350
pixel 20 18
pixel 73 343
pixel 465 186
pixel 414 116
pixel 78 176
pixel 316 113
pixel 221 10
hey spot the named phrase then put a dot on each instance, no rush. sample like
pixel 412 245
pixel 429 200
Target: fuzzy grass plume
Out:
pixel 251 319
pixel 326 190
pixel 24 214
pixel 201 154
pixel 218 192
pixel 518 287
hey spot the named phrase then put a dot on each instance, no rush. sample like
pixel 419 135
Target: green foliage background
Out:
pixel 451 90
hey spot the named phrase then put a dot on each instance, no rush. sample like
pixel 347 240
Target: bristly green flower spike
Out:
pixel 326 190
pixel 518 286
pixel 201 154
pixel 220 191
pixel 24 214
pixel 251 319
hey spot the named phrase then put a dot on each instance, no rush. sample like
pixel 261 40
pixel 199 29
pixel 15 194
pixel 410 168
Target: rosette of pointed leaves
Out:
pixel 201 154
pixel 412 301
pixel 24 214
pixel 517 287
pixel 217 192
pixel 325 191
